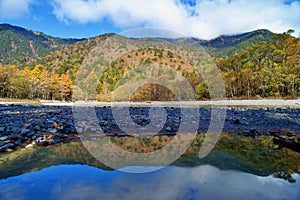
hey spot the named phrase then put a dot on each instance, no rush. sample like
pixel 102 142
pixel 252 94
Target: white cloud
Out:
pixel 202 182
pixel 14 9
pixel 206 19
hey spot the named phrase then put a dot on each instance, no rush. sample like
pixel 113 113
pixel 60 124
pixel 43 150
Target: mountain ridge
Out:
pixel 21 46
pixel 255 64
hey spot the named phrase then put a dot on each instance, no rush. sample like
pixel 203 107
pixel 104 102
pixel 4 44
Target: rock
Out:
pixel 169 129
pixel 59 135
pixel 7 146
pixel 177 121
pixel 246 133
pixel 54 124
pixel 69 128
pixel 15 130
pixel 252 132
pixel 41 141
pixel 236 121
pixel 2 143
pixel 59 128
pixel 15 136
pixel 142 128
pixel 51 136
pixel 30 133
pixel 27 126
pixel 50 121
pixel 2 129
pixel 93 129
pixel 158 126
pixel 79 130
pixel 3 138
pixel 37 128
pixel 29 146
pixel 52 130
pixel 24 131
pixel 65 136
pixel 18 142
pixel 51 141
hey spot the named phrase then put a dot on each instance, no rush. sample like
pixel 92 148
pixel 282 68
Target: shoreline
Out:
pixel 294 103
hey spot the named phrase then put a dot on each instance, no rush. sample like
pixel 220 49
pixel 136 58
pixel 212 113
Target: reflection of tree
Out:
pixel 261 155
pixel 284 175
pixel 257 156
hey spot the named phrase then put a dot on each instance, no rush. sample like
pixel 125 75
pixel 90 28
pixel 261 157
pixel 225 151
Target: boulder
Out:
pixel 2 129
pixel 54 124
pixel 236 121
pixel 24 131
pixel 7 146
pixel 3 138
pixel 52 130
pixel 169 129
pixel 30 133
pixel 27 126
pixel 18 142
pixel 29 146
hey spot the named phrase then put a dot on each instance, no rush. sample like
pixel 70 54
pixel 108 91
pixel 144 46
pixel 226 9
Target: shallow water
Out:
pixel 237 168
pixel 202 182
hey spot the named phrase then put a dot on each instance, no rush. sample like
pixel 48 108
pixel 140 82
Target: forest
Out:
pixel 37 83
pixel 267 69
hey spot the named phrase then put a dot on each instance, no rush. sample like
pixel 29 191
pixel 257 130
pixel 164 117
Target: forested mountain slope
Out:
pixel 252 65
pixel 19 46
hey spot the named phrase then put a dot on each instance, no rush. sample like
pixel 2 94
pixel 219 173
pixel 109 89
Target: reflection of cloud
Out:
pixel 12 9
pixel 11 191
pixel 203 182
pixel 203 18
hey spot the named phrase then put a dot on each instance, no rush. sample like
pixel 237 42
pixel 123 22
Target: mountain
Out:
pixel 252 65
pixel 19 45
pixel 114 56
pixel 71 56
pixel 227 45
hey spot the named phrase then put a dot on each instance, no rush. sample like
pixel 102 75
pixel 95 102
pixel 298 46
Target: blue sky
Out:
pixel 204 19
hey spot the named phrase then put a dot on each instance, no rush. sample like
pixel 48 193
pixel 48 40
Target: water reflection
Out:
pixel 258 156
pixel 202 182
pixel 237 168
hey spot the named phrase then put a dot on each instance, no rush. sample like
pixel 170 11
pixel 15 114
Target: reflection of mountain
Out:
pixel 257 156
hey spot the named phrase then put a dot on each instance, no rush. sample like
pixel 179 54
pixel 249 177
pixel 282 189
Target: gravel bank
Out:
pixel 295 103
pixel 30 126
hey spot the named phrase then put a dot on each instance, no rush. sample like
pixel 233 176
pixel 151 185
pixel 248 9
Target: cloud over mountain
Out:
pixel 202 18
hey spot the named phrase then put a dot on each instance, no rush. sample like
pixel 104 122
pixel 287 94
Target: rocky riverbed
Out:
pixel 30 126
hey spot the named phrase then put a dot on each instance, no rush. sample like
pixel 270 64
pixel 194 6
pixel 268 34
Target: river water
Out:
pixel 201 182
pixel 237 168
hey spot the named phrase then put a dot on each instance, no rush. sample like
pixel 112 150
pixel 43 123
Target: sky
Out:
pixel 205 19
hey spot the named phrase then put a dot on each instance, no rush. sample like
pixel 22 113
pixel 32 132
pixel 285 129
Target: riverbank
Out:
pixel 40 125
pixel 273 103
